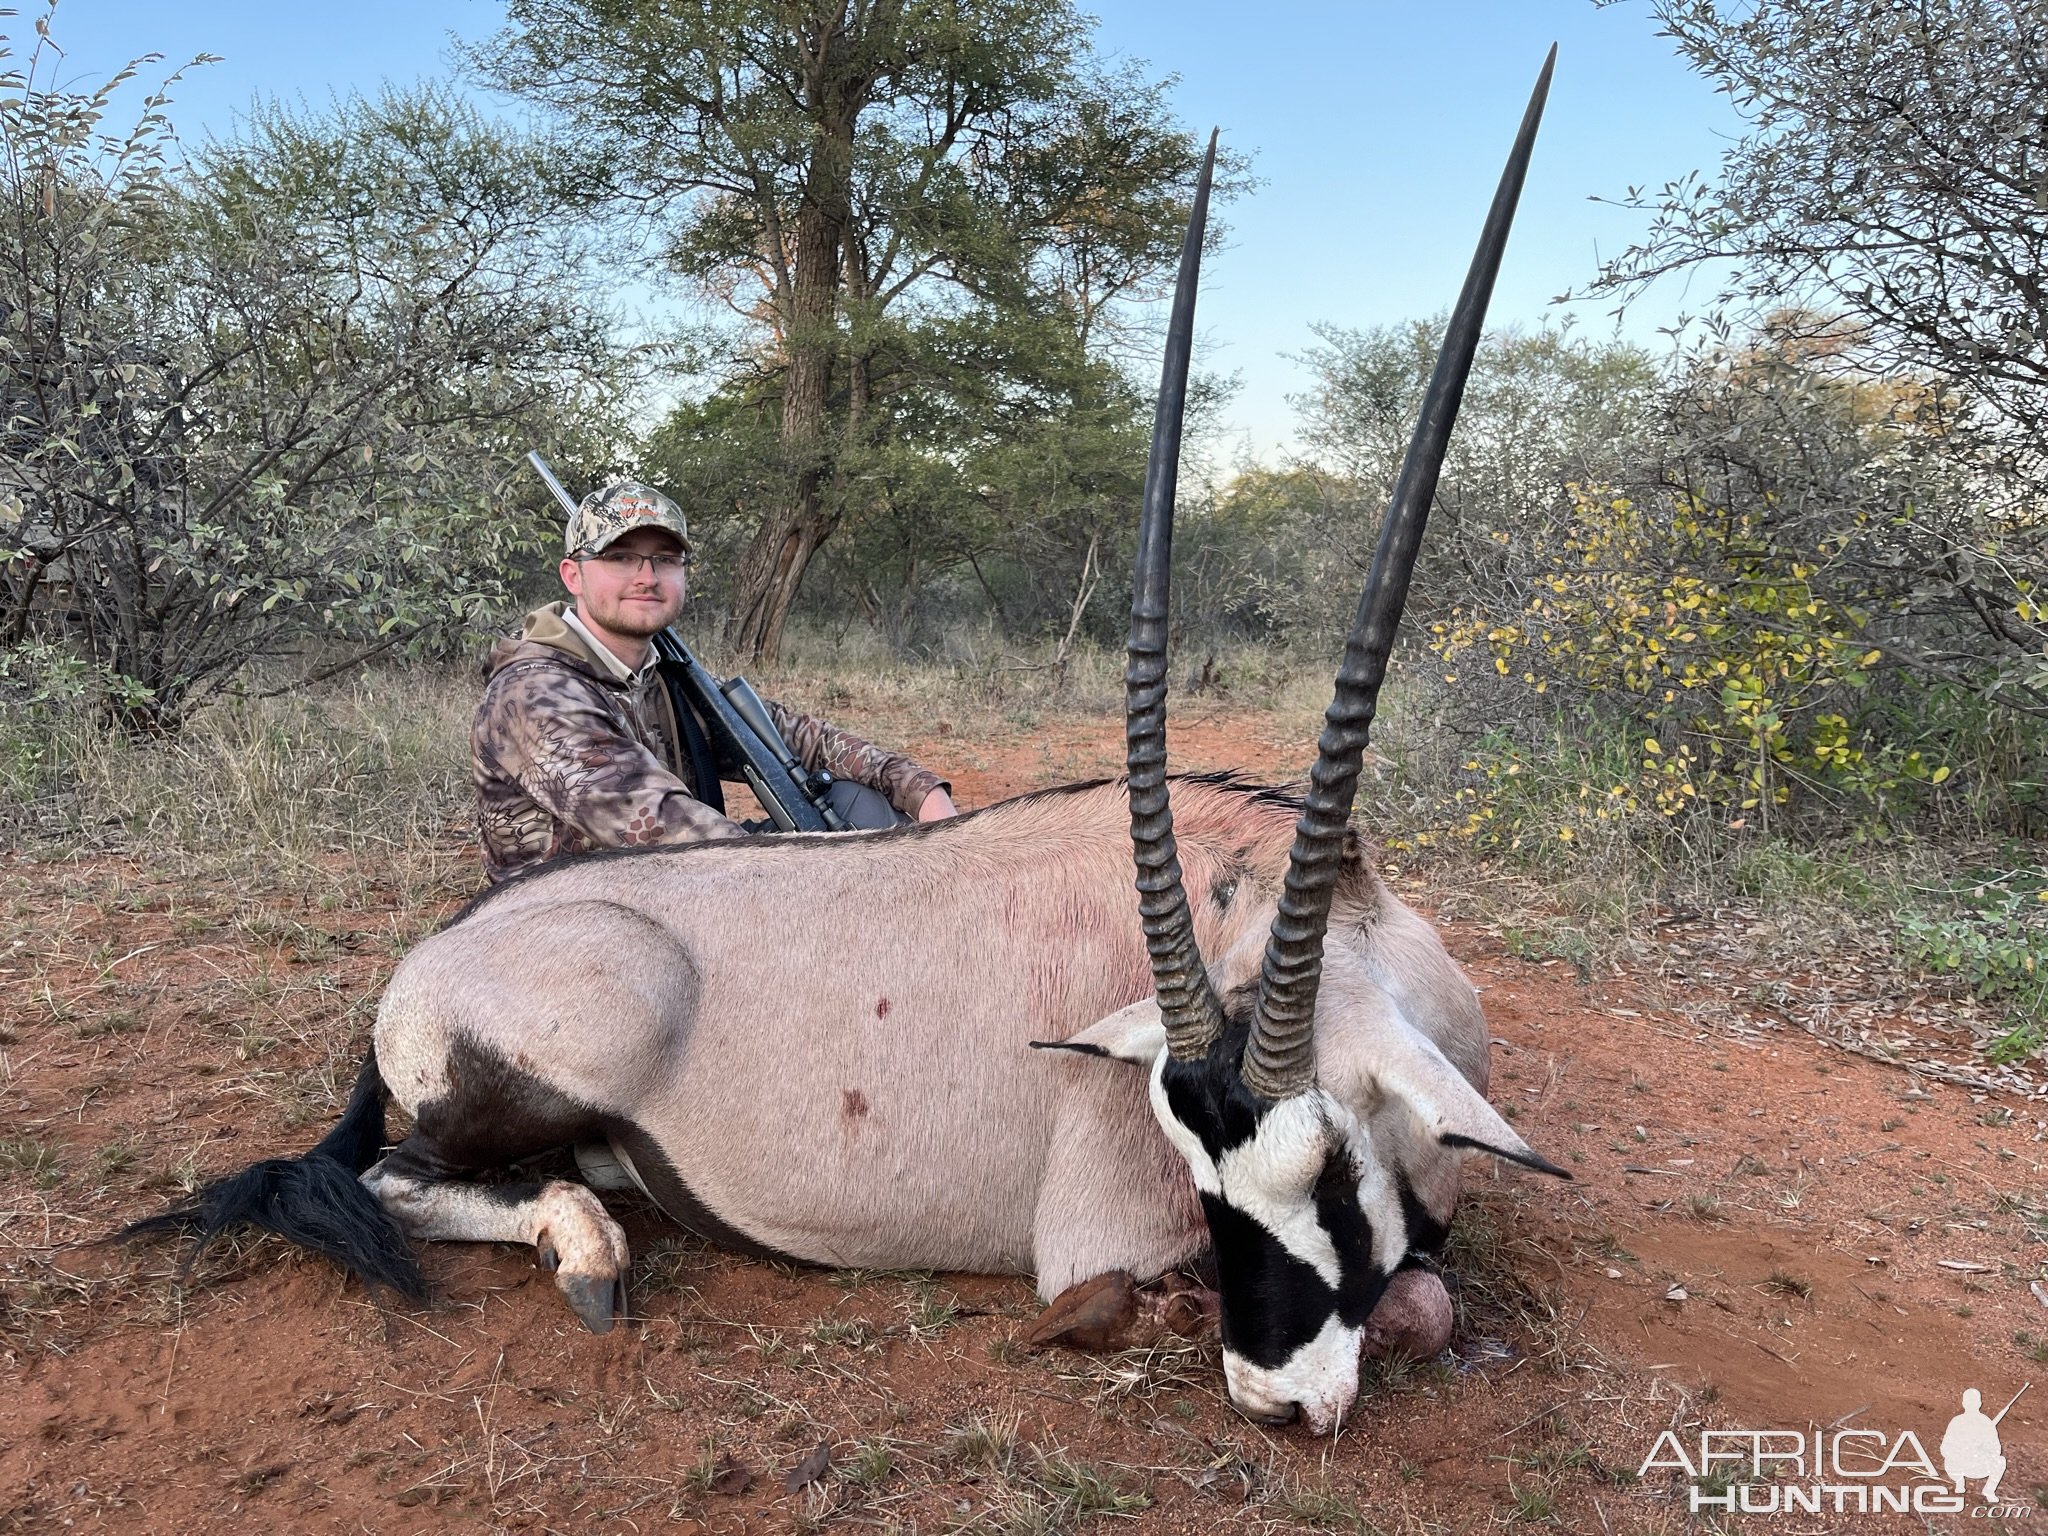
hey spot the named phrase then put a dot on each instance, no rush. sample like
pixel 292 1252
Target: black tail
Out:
pixel 315 1201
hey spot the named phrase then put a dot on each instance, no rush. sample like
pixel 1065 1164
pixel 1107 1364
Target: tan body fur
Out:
pixel 840 1091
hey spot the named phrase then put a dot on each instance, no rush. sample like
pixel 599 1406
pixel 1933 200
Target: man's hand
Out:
pixel 938 805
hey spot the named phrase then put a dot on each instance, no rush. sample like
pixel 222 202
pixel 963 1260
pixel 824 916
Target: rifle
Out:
pixel 796 799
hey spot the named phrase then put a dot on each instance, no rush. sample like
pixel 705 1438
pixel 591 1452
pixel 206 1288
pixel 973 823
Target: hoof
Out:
pixel 586 1250
pixel 598 1299
pixel 1094 1315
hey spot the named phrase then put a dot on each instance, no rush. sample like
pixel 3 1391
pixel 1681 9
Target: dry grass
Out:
pixel 363 783
pixel 228 903
pixel 1031 1491
pixel 983 1442
pixel 1509 1286
pixel 978 675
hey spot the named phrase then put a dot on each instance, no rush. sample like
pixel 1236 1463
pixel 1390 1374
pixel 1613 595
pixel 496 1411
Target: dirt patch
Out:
pixel 1763 1232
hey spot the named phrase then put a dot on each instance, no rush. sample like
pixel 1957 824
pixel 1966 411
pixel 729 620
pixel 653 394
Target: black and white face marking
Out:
pixel 1310 1218
pixel 1307 1228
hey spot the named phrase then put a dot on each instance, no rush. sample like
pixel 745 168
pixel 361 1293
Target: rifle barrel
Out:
pixel 2015 1398
pixel 568 502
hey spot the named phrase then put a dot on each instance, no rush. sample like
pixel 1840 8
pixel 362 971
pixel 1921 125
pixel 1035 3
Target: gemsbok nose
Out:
pixel 1272 1413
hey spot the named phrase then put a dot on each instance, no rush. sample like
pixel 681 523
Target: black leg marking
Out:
pixel 677 1200
pixel 495 1113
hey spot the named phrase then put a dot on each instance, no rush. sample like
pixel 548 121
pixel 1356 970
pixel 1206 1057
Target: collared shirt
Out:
pixel 632 677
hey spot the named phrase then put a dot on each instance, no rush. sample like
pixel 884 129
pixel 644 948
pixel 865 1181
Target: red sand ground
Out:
pixel 1764 1232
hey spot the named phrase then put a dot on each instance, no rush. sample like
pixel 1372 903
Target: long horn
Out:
pixel 1187 1003
pixel 1279 1058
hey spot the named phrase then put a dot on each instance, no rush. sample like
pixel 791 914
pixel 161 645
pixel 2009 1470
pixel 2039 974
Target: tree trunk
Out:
pixel 772 569
pixel 20 598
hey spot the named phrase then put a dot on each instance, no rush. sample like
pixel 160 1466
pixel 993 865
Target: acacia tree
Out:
pixel 858 179
pixel 1894 170
pixel 272 390
pixel 996 453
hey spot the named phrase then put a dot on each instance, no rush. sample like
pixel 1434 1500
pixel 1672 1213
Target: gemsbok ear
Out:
pixel 1410 1068
pixel 1135 1034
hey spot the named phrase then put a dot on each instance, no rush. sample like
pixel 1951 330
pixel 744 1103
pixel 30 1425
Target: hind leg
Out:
pixel 568 1227
pixel 486 1112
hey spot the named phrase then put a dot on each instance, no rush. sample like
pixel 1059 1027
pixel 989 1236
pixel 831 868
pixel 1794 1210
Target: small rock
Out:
pixel 1613 1274
pixel 730 1478
pixel 1678 1293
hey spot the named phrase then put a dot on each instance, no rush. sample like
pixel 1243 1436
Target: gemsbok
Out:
pixel 822 1046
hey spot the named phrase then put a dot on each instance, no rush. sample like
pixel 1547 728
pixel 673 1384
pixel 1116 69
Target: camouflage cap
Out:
pixel 619 508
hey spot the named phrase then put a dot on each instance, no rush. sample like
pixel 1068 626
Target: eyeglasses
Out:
pixel 625 562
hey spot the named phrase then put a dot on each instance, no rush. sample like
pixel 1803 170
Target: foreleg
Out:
pixel 1115 1195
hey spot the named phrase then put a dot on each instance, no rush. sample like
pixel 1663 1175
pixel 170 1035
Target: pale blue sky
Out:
pixel 1378 128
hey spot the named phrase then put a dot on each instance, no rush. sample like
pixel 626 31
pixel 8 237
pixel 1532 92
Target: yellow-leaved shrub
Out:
pixel 1708 674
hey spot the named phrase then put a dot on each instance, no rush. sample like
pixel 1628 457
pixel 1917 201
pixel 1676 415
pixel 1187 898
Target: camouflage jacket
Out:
pixel 567 756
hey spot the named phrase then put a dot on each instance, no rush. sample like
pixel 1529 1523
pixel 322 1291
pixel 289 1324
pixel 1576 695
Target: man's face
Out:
pixel 625 591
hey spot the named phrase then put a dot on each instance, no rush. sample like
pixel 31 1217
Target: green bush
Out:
pixel 1994 940
pixel 50 708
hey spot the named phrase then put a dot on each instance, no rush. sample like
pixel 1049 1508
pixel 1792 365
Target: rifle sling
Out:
pixel 696 748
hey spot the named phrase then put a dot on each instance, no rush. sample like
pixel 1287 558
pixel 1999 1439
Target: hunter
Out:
pixel 576 744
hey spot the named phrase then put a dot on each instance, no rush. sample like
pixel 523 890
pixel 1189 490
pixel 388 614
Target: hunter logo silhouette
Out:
pixel 1970 1447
